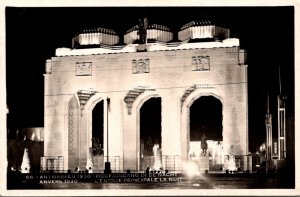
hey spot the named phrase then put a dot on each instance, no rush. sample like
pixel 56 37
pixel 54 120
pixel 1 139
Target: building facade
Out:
pixel 204 62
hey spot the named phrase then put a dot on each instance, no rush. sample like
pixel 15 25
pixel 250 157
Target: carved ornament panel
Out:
pixel 140 66
pixel 83 68
pixel 200 63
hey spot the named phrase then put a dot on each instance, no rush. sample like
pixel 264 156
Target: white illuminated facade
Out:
pixel 121 79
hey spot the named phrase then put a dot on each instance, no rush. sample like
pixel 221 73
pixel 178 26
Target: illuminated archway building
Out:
pixel 204 62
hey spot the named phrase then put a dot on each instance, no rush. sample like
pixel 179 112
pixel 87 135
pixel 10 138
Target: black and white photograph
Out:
pixel 149 99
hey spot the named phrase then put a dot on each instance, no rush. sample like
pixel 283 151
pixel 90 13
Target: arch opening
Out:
pixel 150 134
pixel 206 131
pixel 206 117
pixel 98 129
pixel 96 149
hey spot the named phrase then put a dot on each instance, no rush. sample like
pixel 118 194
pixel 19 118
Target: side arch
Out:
pixel 131 129
pixel 88 112
pixel 140 103
pixel 185 116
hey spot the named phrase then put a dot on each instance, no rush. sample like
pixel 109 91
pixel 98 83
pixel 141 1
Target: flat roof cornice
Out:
pixel 132 48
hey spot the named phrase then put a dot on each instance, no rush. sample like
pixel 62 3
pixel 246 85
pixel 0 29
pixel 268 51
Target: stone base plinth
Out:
pixel 279 164
pixel 98 162
pixel 203 163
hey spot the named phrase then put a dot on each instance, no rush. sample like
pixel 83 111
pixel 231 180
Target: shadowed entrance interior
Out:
pixel 206 125
pixel 206 117
pixel 150 131
pixel 97 135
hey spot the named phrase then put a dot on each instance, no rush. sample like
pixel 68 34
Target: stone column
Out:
pixel 83 142
pixel 54 126
pixel 171 139
pixel 114 131
pixel 130 141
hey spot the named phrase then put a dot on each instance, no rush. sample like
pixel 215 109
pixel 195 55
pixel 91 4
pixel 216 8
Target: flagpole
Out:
pixel 107 169
pixel 107 100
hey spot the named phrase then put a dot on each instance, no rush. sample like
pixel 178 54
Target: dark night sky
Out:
pixel 33 34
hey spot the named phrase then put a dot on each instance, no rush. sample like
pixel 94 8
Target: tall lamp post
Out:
pixel 257 155
pixel 281 99
pixel 269 143
pixel 107 169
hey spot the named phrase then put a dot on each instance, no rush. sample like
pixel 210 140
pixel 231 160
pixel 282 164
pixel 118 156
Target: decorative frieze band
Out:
pixel 140 66
pixel 187 92
pixel 204 86
pixel 171 53
pixel 132 95
pixel 200 63
pixel 83 68
pixel 71 128
pixel 84 96
pixel 191 89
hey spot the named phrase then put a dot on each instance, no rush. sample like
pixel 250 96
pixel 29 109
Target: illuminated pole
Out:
pixel 107 163
pixel 268 122
pixel 257 154
pixel 107 102
pixel 281 123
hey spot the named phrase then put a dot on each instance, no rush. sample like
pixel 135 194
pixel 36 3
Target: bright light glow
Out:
pixel 231 166
pixel 191 169
pixel 214 150
pixel 157 157
pixel 262 147
pixel 25 167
